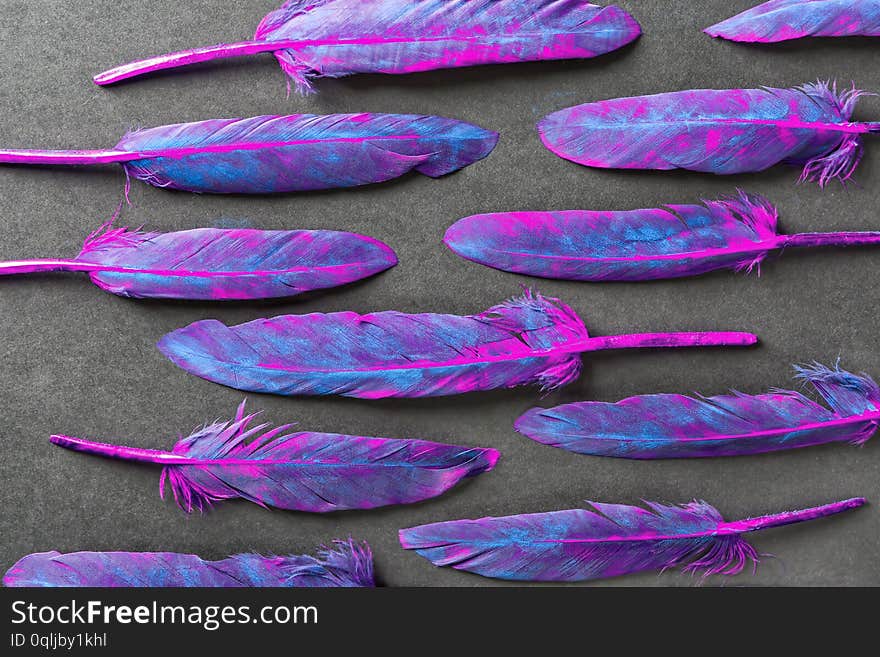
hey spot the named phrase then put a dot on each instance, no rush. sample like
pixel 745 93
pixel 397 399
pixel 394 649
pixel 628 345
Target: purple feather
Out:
pixel 531 339
pixel 346 564
pixel 300 152
pixel 612 540
pixel 782 20
pixel 334 38
pixel 677 426
pixel 213 263
pixel 723 132
pixel 634 245
pixel 300 471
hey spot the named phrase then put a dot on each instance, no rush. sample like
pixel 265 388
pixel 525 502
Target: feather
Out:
pixel 677 426
pixel 346 564
pixel 531 339
pixel 300 471
pixel 717 131
pixel 782 20
pixel 214 263
pixel 611 540
pixel 334 38
pixel 295 153
pixel 634 245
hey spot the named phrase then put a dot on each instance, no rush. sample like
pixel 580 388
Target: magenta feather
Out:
pixel 717 131
pixel 678 426
pixel 612 540
pixel 301 471
pixel 531 339
pixel 634 245
pixel 334 38
pixel 782 20
pixel 295 153
pixel 346 564
pixel 214 263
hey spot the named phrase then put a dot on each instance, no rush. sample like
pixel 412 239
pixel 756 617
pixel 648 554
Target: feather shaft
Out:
pixel 789 517
pixel 187 57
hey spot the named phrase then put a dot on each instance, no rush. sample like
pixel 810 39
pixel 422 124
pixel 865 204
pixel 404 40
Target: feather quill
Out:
pixel 214 263
pixel 530 339
pixel 717 131
pixel 335 38
pixel 345 564
pixel 300 152
pixel 610 540
pixel 783 20
pixel 676 426
pixel 300 471
pixel 634 245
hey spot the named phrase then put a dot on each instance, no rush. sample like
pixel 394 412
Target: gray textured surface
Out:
pixel 81 361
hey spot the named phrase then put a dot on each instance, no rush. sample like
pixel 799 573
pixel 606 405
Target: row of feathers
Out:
pixel 531 339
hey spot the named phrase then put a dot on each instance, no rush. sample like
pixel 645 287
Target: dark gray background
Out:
pixel 83 362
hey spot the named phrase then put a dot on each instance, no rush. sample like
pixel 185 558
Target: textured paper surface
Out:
pixel 83 362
